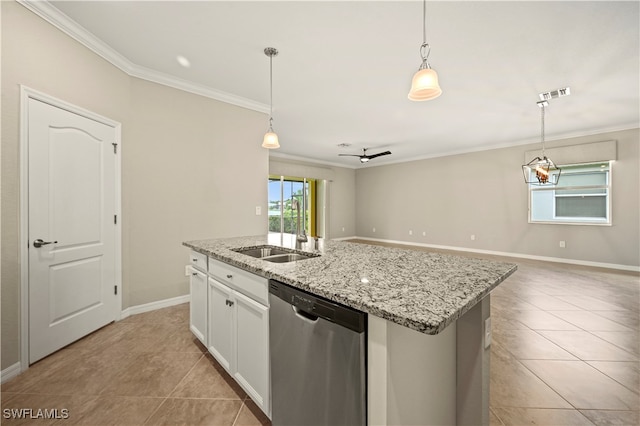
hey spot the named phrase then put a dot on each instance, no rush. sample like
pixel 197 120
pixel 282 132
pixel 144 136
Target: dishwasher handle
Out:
pixel 305 316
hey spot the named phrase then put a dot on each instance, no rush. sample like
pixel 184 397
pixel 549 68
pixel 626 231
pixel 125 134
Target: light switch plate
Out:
pixel 258 210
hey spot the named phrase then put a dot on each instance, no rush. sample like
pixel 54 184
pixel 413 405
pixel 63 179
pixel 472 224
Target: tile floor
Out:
pixel 565 352
pixel 144 370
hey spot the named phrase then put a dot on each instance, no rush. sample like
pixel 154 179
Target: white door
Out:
pixel 72 203
pixel 221 334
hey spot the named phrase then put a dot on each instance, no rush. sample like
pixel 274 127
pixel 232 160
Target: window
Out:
pixel 282 215
pixel 582 196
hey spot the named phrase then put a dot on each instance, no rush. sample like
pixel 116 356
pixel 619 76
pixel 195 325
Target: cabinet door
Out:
pixel 221 324
pixel 252 349
pixel 198 305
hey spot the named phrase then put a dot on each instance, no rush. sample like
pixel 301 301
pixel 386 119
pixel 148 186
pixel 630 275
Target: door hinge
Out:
pixel 115 289
pixel 115 147
pixel 115 219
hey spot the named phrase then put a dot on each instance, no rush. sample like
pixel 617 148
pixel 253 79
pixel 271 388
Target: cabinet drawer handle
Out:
pixel 194 273
pixel 229 276
pixel 229 302
pixel 195 260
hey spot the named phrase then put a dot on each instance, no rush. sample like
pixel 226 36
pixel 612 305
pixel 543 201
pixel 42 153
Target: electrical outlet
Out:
pixel 258 210
pixel 187 270
pixel 374 229
pixel 424 233
pixel 473 237
pixel 487 332
pixel 343 229
pixel 563 244
pixel 410 232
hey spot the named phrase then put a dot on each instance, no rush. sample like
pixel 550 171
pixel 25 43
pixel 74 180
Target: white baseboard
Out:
pixel 631 268
pixel 346 238
pixel 152 306
pixel 10 372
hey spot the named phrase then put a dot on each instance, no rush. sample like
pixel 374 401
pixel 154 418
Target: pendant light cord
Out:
pixel 425 49
pixel 270 91
pixel 542 128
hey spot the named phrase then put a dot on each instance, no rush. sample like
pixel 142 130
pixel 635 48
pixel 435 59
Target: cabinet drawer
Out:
pixel 242 281
pixel 198 260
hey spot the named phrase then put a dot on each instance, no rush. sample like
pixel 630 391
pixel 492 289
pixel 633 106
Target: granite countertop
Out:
pixel 420 290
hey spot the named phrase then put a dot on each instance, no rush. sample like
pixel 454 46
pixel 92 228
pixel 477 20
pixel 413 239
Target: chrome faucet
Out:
pixel 300 238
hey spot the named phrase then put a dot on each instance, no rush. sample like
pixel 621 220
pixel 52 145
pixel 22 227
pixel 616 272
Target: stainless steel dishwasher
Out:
pixel 318 360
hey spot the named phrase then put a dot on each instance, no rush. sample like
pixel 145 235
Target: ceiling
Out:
pixel 344 68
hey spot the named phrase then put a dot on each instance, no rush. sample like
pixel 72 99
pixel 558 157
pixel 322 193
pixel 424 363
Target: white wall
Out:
pixel 484 194
pixel 192 167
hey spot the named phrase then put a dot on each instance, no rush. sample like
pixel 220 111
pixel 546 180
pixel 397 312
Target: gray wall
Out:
pixel 181 177
pixel 483 194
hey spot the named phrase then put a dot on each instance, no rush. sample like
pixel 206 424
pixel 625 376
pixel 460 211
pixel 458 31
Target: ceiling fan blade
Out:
pixel 349 155
pixel 378 155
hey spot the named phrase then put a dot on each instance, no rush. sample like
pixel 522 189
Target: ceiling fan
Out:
pixel 364 157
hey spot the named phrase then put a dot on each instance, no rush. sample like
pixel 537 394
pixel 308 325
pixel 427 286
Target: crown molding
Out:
pixel 55 17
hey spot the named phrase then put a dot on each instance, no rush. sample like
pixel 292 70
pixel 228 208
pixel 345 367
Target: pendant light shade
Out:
pixel 270 140
pixel 424 85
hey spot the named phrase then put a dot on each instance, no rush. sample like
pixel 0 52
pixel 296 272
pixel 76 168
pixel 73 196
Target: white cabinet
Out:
pixel 239 329
pixel 221 323
pixel 198 302
pixel 252 353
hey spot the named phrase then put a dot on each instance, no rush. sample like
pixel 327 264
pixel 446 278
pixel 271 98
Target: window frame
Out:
pixel 568 220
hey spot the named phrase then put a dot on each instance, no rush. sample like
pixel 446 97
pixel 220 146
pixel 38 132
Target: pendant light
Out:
pixel 270 140
pixel 424 85
pixel 541 171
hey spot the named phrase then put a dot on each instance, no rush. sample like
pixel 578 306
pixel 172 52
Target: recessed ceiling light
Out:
pixel 183 61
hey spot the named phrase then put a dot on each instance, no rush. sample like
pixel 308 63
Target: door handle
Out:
pixel 39 243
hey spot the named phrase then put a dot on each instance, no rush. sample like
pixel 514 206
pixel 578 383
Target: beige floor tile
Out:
pixel 590 303
pixel 583 386
pixel 541 416
pixel 627 318
pixel 513 385
pixel 499 322
pixel 183 340
pixel 586 346
pixel 627 340
pixel 194 412
pixel 251 415
pixel 589 321
pixel 626 373
pixel 37 409
pixel 141 337
pixel 527 344
pixel 85 375
pixel 38 370
pixel 494 420
pixel 114 411
pixel 551 303
pixel 541 320
pixel 102 338
pixel 207 379
pixel 151 374
pixel 617 418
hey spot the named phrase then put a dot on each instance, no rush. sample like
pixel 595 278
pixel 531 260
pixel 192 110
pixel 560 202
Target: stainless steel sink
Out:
pixel 275 254
pixel 290 257
pixel 263 251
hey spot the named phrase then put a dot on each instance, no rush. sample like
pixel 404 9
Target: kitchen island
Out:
pixel 428 320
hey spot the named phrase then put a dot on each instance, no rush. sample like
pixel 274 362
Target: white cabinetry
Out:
pixel 198 301
pixel 239 328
